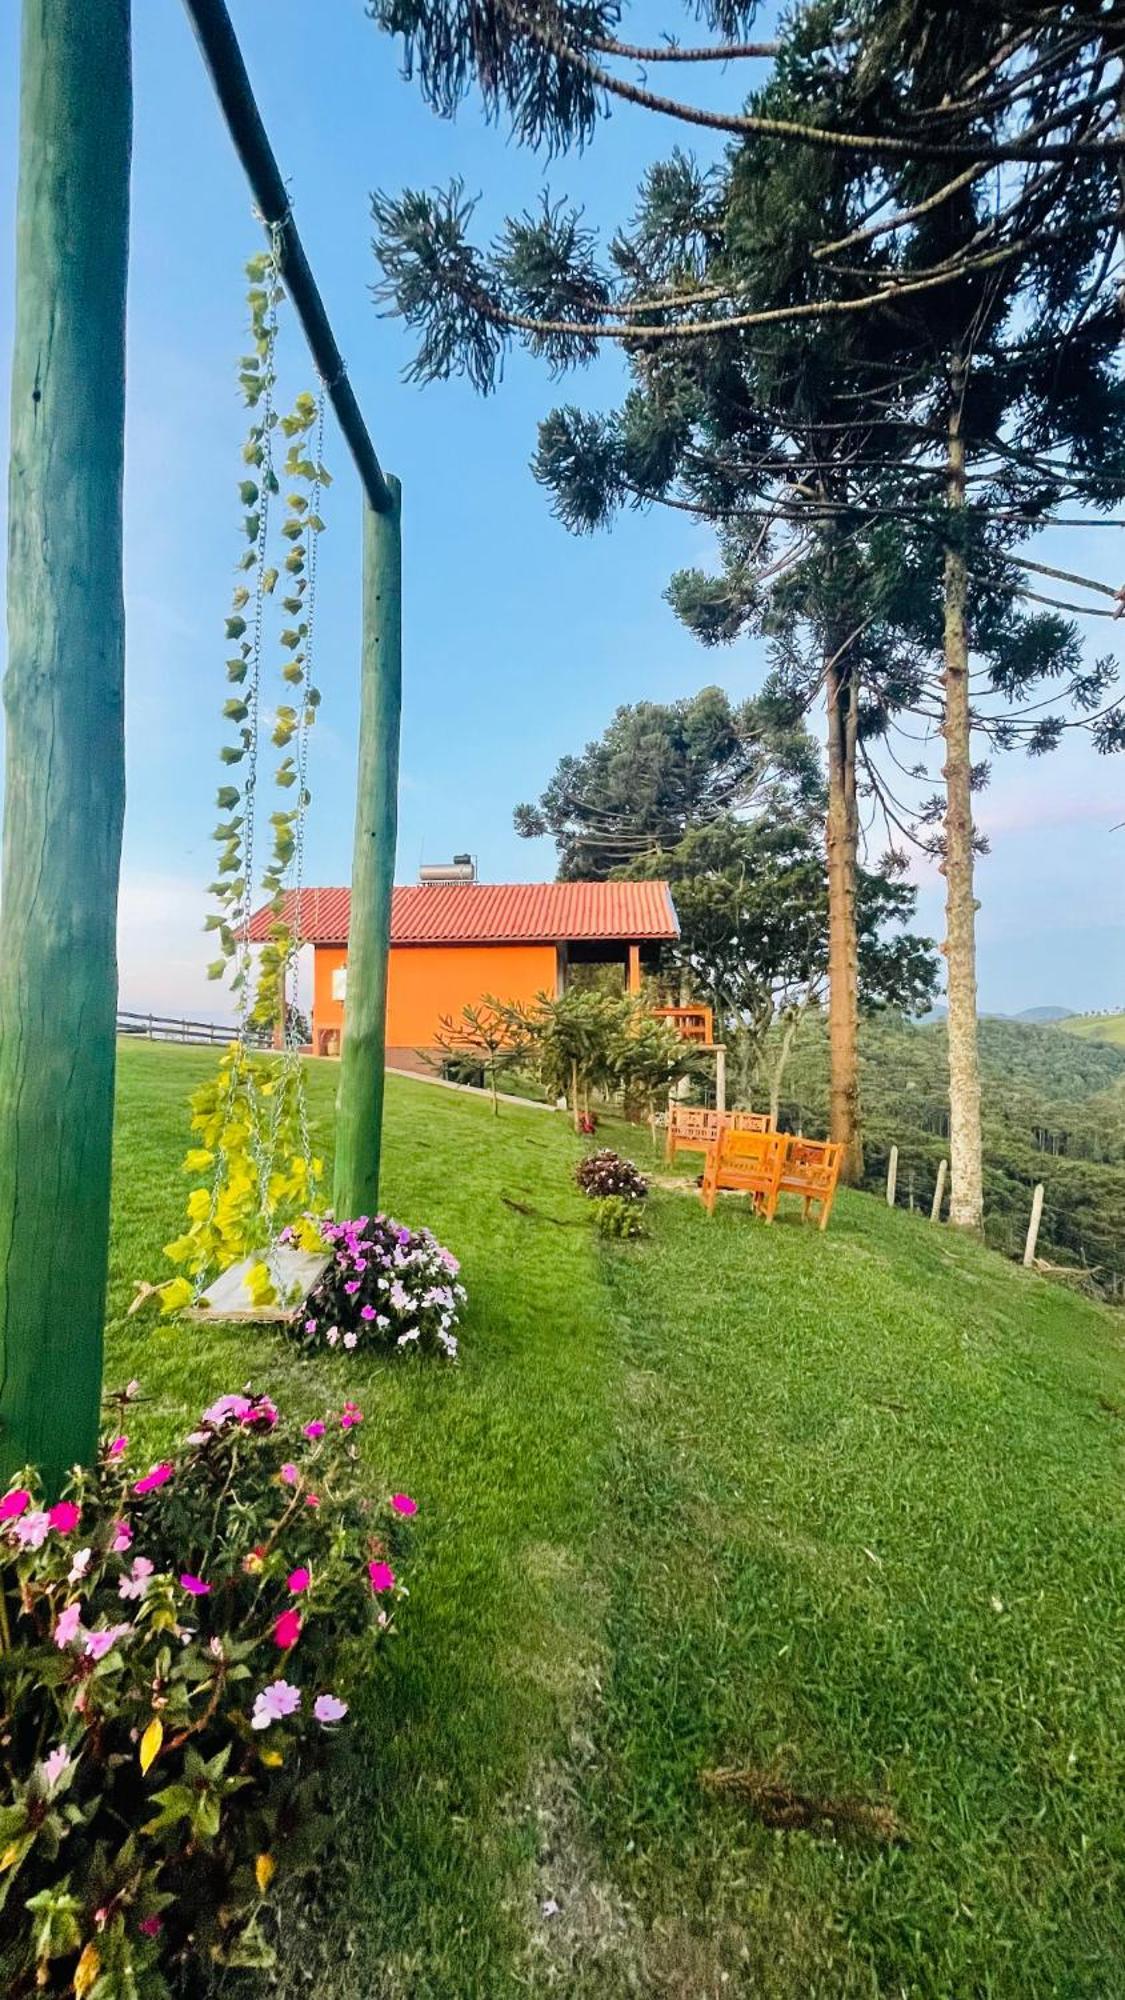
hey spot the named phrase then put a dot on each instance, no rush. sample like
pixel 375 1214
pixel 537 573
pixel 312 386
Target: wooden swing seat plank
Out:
pixel 295 1272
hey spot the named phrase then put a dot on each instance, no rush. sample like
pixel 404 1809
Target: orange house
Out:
pixel 454 942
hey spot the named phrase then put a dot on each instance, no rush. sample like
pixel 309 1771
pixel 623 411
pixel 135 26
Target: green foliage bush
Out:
pixel 176 1648
pixel 620 1216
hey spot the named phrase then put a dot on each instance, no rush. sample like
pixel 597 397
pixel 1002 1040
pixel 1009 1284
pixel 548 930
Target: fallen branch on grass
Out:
pixel 787 1811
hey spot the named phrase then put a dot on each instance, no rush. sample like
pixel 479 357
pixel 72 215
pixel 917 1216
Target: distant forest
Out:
pixel 1053 1110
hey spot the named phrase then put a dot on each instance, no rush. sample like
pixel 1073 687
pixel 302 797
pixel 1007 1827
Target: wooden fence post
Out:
pixel 64 698
pixel 939 1191
pixel 359 1112
pixel 1033 1225
pixel 892 1176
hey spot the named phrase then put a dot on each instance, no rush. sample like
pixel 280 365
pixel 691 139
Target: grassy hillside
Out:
pixel 1096 1028
pixel 840 1514
pixel 1053 1110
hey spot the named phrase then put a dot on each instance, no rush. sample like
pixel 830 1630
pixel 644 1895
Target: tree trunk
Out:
pixel 64 700
pixel 843 953
pixel 966 1203
pixel 793 1019
pixel 359 1102
pixel 574 1096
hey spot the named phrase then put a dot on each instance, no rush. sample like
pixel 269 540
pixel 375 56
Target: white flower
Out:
pixel 80 1565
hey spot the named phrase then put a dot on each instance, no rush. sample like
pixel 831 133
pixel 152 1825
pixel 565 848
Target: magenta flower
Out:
pixel 313 1430
pixel 68 1626
pixel 310 1326
pixel 274 1703
pixel 328 1708
pixel 153 1479
pixel 367 1312
pixel 117 1446
pixel 287 1631
pixel 15 1503
pixel 290 1474
pixel 261 1412
pixel 312 1500
pixel 151 1926
pixel 298 1580
pixel 122 1536
pixel 403 1504
pixel 352 1415
pixel 65 1516
pixel 194 1585
pixel 98 1644
pixel 136 1585
pixel 382 1576
pixel 352 1287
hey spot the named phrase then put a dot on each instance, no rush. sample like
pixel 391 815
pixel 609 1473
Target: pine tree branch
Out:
pixel 672 51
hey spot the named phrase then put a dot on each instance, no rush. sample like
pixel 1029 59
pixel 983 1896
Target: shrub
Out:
pixel 176 1649
pixel 620 1216
pixel 386 1287
pixel 606 1173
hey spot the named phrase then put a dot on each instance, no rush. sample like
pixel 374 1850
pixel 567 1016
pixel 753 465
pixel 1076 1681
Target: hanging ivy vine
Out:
pixel 250 1120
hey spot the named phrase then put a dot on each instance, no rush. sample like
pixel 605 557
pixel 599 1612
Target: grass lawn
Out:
pixel 843 1512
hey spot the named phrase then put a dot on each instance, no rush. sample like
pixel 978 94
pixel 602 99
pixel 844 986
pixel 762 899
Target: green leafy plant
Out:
pixel 621 1216
pixel 176 1647
pixel 386 1286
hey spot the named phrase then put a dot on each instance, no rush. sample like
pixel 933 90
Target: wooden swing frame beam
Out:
pixel 64 701
pixel 359 1107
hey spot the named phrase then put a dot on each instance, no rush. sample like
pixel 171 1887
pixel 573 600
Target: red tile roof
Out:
pixel 495 913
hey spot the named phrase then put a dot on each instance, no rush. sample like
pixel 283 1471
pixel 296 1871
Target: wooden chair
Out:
pixel 811 1168
pixel 692 1130
pixel 749 1162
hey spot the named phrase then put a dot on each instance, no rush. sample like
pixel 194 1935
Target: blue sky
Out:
pixel 519 639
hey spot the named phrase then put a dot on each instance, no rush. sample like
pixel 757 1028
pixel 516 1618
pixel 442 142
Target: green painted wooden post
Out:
pixel 359 1109
pixel 63 697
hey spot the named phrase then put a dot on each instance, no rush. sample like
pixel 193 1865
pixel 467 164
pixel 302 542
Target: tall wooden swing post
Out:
pixel 63 696
pixel 359 1107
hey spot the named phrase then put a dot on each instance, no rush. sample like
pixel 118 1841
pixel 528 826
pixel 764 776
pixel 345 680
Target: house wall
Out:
pixel 426 981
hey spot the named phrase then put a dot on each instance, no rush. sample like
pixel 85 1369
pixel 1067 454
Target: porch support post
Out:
pixel 634 968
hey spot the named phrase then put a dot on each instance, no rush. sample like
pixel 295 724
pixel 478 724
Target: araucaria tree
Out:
pixel 875 346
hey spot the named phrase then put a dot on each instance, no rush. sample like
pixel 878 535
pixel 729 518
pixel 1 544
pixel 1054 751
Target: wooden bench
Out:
pixel 748 1162
pixel 692 1130
pixel 811 1168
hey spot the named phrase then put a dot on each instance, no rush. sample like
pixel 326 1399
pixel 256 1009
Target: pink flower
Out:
pixel 310 1326
pixel 31 1530
pixel 403 1504
pixel 274 1703
pixel 137 1584
pixel 14 1503
pixel 328 1708
pixel 98 1644
pixel 151 1926
pixel 312 1500
pixel 287 1631
pixel 367 1312
pixel 117 1446
pixel 227 1407
pixel 68 1626
pixel 298 1580
pixel 313 1430
pixel 153 1479
pixel 382 1576
pixel 350 1340
pixel 122 1536
pixel 194 1585
pixel 263 1411
pixel 290 1474
pixel 65 1516
pixel 352 1415
pixel 352 1287
pixel 53 1766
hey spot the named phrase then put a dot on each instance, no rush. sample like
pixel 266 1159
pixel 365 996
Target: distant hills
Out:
pixel 1032 1016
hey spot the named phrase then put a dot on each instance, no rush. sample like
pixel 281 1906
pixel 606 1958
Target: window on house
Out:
pixel 340 983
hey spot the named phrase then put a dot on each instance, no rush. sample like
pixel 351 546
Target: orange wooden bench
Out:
pixel 692 1130
pixel 750 1163
pixel 811 1168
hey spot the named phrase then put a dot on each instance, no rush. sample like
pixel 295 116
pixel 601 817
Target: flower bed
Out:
pixel 607 1173
pixel 387 1286
pixel 177 1646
